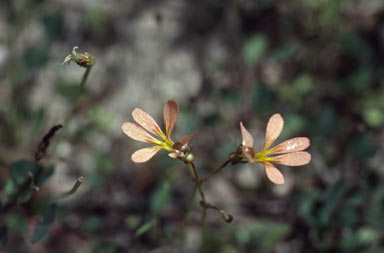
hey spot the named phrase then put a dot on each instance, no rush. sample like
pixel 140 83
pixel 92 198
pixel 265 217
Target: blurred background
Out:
pixel 320 63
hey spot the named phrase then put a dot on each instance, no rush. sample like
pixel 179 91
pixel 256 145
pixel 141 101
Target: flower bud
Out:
pixel 85 60
pixel 189 158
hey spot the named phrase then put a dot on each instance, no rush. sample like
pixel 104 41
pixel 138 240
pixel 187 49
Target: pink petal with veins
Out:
pixel 274 127
pixel 144 154
pixel 273 174
pixel 137 133
pixel 170 113
pixel 173 155
pixel 247 137
pixel 146 121
pixel 293 159
pixel 292 145
pixel 187 138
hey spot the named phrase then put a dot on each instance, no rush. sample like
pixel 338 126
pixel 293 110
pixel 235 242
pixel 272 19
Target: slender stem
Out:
pixel 85 77
pixel 82 88
pixel 189 209
pixel 215 172
pixel 72 113
pixel 203 227
pixel 204 202
pixel 190 204
pixel 76 186
pixel 197 180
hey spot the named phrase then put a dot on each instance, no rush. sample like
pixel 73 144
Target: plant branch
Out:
pixel 206 178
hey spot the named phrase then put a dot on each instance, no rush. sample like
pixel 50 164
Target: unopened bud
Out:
pixel 226 217
pixel 85 60
pixel 190 157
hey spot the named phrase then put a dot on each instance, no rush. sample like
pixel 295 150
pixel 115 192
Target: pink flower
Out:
pixel 149 128
pixel 288 153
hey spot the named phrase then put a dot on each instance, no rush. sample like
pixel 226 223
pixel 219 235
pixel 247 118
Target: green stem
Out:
pixel 203 227
pixel 85 77
pixel 189 209
pixel 197 180
pixel 76 186
pixel 206 178
pixel 204 202
pixel 69 117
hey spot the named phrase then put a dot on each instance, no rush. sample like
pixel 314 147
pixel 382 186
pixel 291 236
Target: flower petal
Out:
pixel 291 145
pixel 187 138
pixel 173 155
pixel 138 133
pixel 248 153
pixel 144 154
pixel 274 127
pixel 247 137
pixel 273 174
pixel 171 111
pixel 293 159
pixel 146 121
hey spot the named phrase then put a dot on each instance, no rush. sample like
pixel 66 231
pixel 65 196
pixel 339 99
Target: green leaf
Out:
pixel 262 233
pixel 9 188
pixel 22 170
pixel 146 227
pixel 104 164
pixel 295 92
pixel 24 196
pixel 284 52
pixel 160 197
pixel 48 218
pixel 3 235
pixel 326 122
pixel 99 246
pixel 263 98
pixel 17 222
pixel 44 174
pixel 101 117
pixel 92 223
pixel 36 56
pixel 293 123
pixel 53 24
pixel 333 196
pixel 374 117
pixel 361 79
pixel 362 147
pixel 375 212
pixel 69 91
pixel 254 49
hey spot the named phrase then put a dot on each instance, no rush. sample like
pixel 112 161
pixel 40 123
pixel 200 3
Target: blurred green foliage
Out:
pixel 318 63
